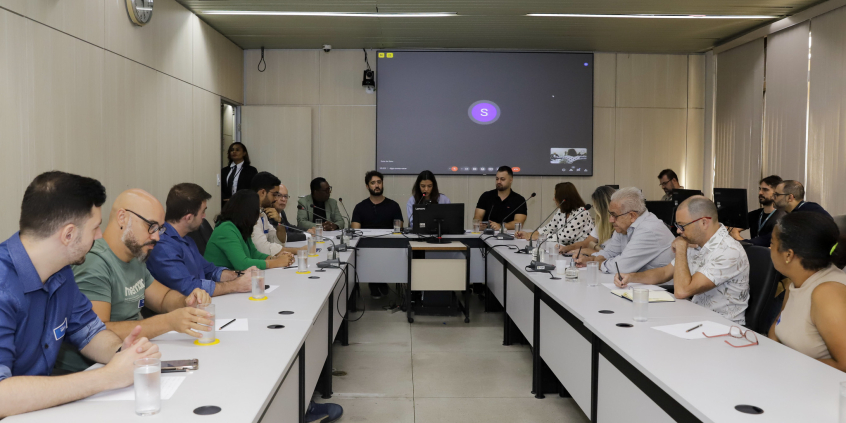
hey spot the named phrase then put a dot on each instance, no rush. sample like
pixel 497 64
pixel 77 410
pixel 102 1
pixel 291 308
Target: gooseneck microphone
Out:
pixel 538 266
pixel 502 235
pixel 349 229
pixel 327 212
pixel 528 249
pixel 329 262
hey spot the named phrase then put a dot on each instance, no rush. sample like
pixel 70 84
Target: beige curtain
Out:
pixel 786 103
pixel 739 114
pixel 827 124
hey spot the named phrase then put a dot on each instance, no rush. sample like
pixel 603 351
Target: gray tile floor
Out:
pixel 438 370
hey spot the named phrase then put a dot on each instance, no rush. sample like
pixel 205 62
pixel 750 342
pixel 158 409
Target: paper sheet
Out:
pixel 680 330
pixel 169 386
pixel 611 286
pixel 270 288
pixel 239 325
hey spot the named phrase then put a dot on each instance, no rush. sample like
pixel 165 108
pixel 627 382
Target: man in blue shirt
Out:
pixel 41 306
pixel 176 262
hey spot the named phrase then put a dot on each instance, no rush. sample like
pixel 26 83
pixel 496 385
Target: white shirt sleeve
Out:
pixel 260 239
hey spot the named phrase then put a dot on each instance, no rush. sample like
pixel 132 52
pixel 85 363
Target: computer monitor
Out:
pixel 731 207
pixel 680 195
pixel 449 216
pixel 663 210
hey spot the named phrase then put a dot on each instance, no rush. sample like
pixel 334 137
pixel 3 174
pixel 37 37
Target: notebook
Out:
pixel 654 296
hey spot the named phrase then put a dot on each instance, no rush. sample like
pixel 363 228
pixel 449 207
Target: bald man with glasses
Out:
pixel 640 240
pixel 116 280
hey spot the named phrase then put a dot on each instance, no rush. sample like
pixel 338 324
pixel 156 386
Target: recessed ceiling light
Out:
pixel 341 14
pixel 651 16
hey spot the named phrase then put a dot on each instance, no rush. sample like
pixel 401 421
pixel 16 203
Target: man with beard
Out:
pixel 502 203
pixel 763 220
pixel 176 262
pixel 710 265
pixel 41 306
pixel 114 277
pixel 376 212
pixel 668 181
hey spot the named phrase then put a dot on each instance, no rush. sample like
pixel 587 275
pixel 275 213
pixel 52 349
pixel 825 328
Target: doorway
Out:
pixel 230 114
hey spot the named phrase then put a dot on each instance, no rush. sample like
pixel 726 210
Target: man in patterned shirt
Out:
pixel 710 265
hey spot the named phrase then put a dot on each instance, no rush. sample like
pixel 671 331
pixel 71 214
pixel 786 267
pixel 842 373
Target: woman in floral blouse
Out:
pixel 571 223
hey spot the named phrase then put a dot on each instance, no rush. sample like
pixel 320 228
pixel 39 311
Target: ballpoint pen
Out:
pixel 227 324
pixel 695 327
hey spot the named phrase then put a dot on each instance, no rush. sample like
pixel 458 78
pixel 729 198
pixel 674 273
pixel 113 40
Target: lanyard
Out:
pixel 761 224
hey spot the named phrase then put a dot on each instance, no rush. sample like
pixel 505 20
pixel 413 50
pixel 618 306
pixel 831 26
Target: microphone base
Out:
pixel 436 240
pixel 341 248
pixel 504 237
pixel 329 263
pixel 488 231
pixel 537 266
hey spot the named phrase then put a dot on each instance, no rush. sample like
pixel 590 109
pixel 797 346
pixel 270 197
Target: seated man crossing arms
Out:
pixel 176 262
pixel 118 283
pixel 710 265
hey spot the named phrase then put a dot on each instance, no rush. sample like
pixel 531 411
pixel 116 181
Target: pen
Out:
pixel 227 324
pixel 618 271
pixel 579 254
pixel 697 326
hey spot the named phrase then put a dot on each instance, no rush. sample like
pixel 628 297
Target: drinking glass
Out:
pixel 148 386
pixel 561 266
pixel 477 225
pixel 592 273
pixel 209 335
pixel 302 261
pixel 397 226
pixel 258 283
pixel 517 227
pixel 640 299
pixel 312 247
pixel 318 233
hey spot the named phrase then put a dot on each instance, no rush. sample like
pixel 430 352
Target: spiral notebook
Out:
pixel 654 296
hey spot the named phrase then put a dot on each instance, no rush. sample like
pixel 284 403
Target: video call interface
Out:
pixel 468 113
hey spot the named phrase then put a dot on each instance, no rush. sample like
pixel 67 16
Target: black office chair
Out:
pixel 840 221
pixel 201 236
pixel 763 280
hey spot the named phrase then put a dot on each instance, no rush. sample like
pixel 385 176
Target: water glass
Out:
pixel 572 272
pixel 477 225
pixel 208 336
pixel 561 266
pixel 302 261
pixel 640 299
pixel 592 273
pixel 318 223
pixel 312 247
pixel 842 418
pixel 148 386
pixel 318 233
pixel 258 284
pixel 397 226
pixel 517 227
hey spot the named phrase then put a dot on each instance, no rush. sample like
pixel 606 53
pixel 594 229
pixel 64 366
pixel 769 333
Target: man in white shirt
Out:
pixel 709 264
pixel 640 241
pixel 266 185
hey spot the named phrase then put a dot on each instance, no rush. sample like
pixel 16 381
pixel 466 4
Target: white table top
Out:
pixel 706 376
pixel 240 375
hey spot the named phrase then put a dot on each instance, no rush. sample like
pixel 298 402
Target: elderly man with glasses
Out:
pixel 278 218
pixel 116 280
pixel 640 241
pixel 709 264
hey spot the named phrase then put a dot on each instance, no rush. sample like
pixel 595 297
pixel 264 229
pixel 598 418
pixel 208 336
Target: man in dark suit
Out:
pixel 277 217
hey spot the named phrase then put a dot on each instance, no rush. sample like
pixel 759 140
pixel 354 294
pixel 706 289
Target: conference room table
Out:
pixel 630 373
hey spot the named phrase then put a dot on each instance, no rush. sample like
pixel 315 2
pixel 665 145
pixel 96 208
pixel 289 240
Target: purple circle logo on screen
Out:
pixel 484 112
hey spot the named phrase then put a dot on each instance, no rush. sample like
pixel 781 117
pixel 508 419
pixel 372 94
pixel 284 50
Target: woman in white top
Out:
pixel 602 229
pixel 425 186
pixel 571 223
pixel 805 249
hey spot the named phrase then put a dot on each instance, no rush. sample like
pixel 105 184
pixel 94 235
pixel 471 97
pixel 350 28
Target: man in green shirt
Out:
pixel 116 280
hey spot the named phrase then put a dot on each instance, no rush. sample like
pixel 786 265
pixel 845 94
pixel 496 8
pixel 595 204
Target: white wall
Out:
pixel 648 115
pixel 85 91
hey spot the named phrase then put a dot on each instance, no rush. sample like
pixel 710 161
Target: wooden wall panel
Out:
pixel 217 63
pixel 652 80
pixel 341 73
pixel 649 140
pixel 279 139
pixel 696 81
pixel 292 77
pixel 346 149
pixel 163 44
pixel 693 169
pixel 83 19
pixel 604 80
